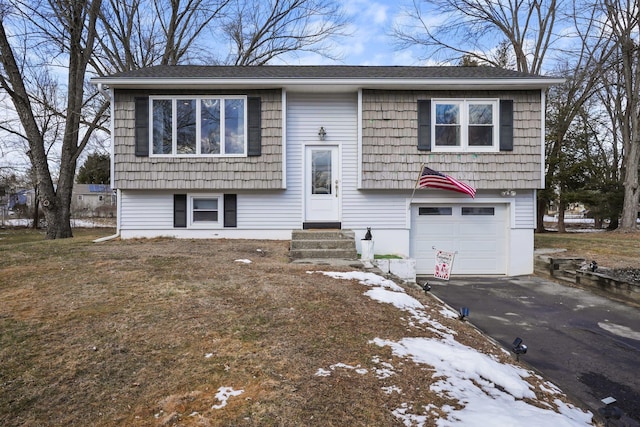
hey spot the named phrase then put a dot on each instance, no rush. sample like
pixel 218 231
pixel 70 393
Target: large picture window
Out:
pixel 203 126
pixel 465 125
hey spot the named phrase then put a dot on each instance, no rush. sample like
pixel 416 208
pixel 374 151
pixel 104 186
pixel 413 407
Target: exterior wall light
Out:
pixel 322 133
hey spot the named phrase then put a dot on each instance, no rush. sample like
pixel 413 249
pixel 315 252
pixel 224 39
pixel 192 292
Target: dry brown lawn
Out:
pixel 609 248
pixel 145 332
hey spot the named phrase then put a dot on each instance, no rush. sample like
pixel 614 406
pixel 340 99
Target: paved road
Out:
pixel 587 345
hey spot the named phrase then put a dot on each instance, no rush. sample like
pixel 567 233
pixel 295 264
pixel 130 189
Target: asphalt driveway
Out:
pixel 587 345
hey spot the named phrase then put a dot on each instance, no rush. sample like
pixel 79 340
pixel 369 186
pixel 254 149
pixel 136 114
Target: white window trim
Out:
pixel 174 128
pixel 205 224
pixel 464 125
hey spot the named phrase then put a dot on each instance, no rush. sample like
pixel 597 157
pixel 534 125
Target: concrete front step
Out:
pixel 322 235
pixel 323 254
pixel 323 244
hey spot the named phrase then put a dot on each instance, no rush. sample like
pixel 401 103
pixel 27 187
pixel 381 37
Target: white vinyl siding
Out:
pixel 306 114
pixel 374 209
pixel 269 211
pixel 153 210
pixel 338 115
pixel 525 209
pixel 146 210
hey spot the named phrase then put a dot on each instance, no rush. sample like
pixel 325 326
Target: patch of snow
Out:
pixel 391 389
pixel 387 370
pixel 452 359
pixel 223 394
pixel 620 330
pixel 399 299
pixel 387 291
pixel 322 373
pixel 325 373
pixel 208 355
pixel 447 312
pixel 369 279
pixel 409 419
pixel 18 222
pixel 244 261
pixel 550 388
pixel 485 388
pixel 88 223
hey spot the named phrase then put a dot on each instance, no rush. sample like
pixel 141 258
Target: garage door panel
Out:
pixel 475 266
pixel 479 238
pixel 478 228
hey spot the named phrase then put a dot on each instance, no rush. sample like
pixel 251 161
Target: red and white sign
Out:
pixel 444 263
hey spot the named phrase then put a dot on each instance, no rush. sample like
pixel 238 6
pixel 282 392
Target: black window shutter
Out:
pixel 424 124
pixel 254 124
pixel 230 210
pixel 142 126
pixel 179 210
pixel 506 125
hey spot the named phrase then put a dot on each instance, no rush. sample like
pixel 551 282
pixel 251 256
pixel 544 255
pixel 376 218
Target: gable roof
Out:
pixel 336 76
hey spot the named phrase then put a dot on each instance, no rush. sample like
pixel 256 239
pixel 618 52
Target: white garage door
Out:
pixel 477 233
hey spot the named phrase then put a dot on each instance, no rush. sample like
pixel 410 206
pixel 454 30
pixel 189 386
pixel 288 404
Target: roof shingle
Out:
pixel 319 72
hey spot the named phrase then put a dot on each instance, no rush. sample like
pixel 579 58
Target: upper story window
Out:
pixel 464 125
pixel 202 126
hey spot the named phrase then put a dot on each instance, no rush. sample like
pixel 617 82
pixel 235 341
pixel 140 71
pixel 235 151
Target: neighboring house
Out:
pixel 17 202
pixel 256 152
pixel 92 200
pixel 20 197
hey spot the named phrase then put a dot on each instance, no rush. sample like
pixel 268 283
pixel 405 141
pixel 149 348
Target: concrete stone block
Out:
pixel 382 264
pixel 405 269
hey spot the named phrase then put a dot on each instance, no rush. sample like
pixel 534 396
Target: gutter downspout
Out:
pixel 118 208
pixel 109 95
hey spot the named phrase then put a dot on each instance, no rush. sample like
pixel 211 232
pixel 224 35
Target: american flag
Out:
pixel 434 179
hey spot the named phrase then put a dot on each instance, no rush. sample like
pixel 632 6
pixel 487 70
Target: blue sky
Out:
pixel 370 42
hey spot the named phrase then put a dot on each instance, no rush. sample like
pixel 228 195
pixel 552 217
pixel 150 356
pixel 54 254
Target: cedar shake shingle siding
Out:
pixel 391 159
pixel 262 172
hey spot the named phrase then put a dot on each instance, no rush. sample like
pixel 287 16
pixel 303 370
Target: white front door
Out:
pixel 322 184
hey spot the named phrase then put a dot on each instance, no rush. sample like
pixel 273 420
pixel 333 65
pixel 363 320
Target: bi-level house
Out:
pixel 256 152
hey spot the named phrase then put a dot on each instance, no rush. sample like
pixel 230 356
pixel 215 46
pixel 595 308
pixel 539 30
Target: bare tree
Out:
pixel 623 89
pixel 61 31
pixel 261 31
pixel 141 33
pixel 475 27
pixel 583 68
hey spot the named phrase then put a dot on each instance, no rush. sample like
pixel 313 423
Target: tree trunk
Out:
pixel 597 222
pixel 541 210
pixel 58 224
pixel 631 192
pixel 561 208
pixel 36 211
pixel 58 214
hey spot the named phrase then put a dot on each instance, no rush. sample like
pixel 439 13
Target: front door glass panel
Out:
pixel 321 172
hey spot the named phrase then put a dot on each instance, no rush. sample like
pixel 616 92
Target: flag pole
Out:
pixel 416 184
